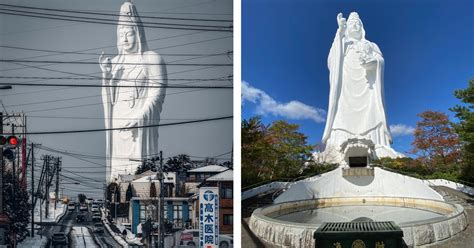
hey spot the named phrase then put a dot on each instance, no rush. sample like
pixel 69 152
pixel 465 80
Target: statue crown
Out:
pixel 353 16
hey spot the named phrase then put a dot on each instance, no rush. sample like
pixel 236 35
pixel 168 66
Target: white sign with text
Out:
pixel 209 217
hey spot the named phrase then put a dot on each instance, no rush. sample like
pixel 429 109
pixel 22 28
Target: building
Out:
pixel 225 182
pixel 196 176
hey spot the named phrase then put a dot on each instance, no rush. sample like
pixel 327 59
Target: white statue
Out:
pixel 135 105
pixel 356 99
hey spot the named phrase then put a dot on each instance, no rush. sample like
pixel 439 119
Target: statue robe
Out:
pixel 356 104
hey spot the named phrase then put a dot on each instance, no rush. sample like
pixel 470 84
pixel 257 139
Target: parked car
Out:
pixel 59 238
pixel 226 241
pixel 98 228
pixel 71 206
pixel 83 207
pixel 100 202
pixel 190 237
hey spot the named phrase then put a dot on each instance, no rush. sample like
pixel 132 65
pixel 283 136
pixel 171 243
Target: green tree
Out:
pixel 465 129
pixel 256 151
pixel 435 139
pixel 271 152
pixel 290 148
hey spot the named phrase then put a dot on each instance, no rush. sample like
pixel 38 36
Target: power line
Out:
pixel 125 79
pixel 97 63
pixel 84 53
pixel 107 22
pixel 128 128
pixel 119 22
pixel 97 48
pixel 107 14
pixel 122 86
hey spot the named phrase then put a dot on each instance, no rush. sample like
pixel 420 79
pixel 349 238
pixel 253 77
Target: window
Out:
pixel 228 219
pixel 178 215
pixel 226 193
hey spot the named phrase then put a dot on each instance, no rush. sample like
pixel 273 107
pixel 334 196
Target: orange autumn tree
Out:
pixel 435 140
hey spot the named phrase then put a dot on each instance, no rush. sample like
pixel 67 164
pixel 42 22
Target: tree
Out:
pixel 290 147
pixel 152 189
pixel 465 129
pixel 17 207
pixel 129 193
pixel 82 198
pixel 435 139
pixel 270 152
pixel 144 166
pixel 255 149
pixel 179 163
pixel 111 190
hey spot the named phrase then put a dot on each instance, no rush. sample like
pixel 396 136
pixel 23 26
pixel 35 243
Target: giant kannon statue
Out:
pixel 356 113
pixel 132 96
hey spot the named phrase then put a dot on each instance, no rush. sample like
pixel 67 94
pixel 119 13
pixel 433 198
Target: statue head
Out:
pixel 355 28
pixel 130 31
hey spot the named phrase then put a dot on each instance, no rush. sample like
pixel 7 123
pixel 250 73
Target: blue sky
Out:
pixel 428 47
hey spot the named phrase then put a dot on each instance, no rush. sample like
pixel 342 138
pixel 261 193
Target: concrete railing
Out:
pixel 450 184
pixel 262 189
pixel 286 234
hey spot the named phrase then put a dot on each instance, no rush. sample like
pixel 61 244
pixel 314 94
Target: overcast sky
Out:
pixel 66 108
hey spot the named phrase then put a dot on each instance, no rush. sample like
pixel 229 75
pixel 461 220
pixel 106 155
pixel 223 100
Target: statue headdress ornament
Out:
pixel 129 17
pixel 353 15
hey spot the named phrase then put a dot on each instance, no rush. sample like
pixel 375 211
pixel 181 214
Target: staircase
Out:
pixel 454 196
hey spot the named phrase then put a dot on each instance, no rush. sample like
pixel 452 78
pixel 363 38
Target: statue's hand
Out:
pixel 369 63
pixel 105 64
pixel 341 22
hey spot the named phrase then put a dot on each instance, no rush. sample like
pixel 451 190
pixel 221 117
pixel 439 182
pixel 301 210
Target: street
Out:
pixel 80 237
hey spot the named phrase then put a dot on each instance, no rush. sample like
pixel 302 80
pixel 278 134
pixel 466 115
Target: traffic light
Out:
pixel 8 145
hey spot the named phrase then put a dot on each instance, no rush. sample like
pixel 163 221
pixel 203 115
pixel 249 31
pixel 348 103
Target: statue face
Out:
pixel 128 40
pixel 354 28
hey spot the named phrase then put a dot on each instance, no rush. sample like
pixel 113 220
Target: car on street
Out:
pixel 71 206
pixel 98 228
pixel 59 239
pixel 96 217
pixel 83 207
pixel 95 208
pixel 190 237
pixel 100 202
pixel 81 217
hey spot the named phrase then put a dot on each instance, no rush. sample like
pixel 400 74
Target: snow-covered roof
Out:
pixel 146 179
pixel 227 175
pixel 210 168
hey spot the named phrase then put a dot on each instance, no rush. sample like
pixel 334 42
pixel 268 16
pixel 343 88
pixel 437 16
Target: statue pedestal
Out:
pixel 358 171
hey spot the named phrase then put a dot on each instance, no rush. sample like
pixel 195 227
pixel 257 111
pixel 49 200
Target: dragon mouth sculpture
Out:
pixel 358 151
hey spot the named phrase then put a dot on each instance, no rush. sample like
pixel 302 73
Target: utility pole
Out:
pixel 162 198
pixel 32 189
pixel 1 163
pixel 46 204
pixel 58 169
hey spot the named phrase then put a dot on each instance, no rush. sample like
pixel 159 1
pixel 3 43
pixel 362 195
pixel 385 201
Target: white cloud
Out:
pixel 266 105
pixel 401 130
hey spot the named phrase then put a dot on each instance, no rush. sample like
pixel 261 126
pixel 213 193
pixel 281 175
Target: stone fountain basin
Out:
pixel 292 224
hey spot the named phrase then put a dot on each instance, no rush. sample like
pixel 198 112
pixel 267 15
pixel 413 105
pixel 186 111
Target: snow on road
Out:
pixel 81 237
